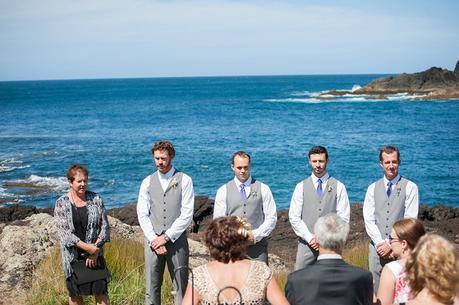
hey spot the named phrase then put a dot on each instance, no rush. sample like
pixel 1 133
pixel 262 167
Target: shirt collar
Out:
pixel 329 256
pixel 324 178
pixel 167 175
pixel 246 183
pixel 393 181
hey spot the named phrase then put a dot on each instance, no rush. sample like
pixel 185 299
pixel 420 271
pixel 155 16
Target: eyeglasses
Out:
pixel 393 239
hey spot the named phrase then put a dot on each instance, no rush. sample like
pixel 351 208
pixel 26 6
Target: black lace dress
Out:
pixel 80 223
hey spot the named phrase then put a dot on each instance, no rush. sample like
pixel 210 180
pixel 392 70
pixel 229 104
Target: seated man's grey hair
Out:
pixel 331 232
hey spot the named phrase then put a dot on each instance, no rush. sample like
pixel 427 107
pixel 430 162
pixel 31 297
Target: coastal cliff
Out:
pixel 432 84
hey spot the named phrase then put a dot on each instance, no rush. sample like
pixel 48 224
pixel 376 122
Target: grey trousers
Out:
pixel 259 251
pixel 305 255
pixel 177 256
pixel 375 264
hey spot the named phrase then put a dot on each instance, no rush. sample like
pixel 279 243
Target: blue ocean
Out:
pixel 110 125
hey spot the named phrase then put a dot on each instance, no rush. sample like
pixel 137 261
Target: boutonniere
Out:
pixel 254 194
pixel 329 189
pixel 174 183
pixel 398 190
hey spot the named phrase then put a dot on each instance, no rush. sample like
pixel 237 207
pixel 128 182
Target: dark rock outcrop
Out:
pixel 17 212
pixel 421 82
pixel 434 83
pixel 127 214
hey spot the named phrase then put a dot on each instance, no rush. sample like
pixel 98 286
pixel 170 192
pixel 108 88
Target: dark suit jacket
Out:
pixel 330 282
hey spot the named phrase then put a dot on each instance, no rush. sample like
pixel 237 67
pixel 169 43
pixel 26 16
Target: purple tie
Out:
pixel 319 191
pixel 243 194
pixel 389 189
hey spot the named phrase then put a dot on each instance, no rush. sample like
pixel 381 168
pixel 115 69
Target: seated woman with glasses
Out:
pixel 230 278
pixel 393 287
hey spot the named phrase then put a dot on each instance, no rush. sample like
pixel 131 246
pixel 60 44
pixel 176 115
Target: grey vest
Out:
pixel 389 210
pixel 313 206
pixel 252 209
pixel 165 205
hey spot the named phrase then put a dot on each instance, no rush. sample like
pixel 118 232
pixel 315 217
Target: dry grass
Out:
pixel 357 256
pixel 126 263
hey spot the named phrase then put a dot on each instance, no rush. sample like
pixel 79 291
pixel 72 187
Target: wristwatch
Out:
pixel 166 238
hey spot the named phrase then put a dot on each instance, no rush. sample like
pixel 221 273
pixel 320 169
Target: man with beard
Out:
pixel 165 210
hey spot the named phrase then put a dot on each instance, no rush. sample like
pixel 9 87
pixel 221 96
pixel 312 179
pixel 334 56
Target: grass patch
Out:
pixel 126 263
pixel 357 256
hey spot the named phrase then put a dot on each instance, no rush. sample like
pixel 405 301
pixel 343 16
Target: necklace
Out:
pixel 82 203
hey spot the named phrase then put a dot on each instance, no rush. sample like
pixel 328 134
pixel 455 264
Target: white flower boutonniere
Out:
pixel 329 189
pixel 398 190
pixel 254 194
pixel 174 183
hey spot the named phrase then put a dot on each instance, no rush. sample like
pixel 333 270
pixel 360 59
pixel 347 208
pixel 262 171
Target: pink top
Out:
pixel 402 289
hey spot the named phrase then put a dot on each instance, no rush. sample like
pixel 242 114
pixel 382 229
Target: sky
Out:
pixel 81 39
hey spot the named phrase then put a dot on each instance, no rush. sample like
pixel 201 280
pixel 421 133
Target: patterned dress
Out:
pixel 252 292
pixel 402 289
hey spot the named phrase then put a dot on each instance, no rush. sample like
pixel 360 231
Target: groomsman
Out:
pixel 315 196
pixel 387 200
pixel 248 198
pixel 165 210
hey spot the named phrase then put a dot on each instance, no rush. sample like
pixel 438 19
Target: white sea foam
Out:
pixel 355 87
pixel 8 198
pixel 322 97
pixel 11 164
pixel 57 184
pixel 301 93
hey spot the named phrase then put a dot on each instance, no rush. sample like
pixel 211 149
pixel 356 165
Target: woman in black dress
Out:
pixel 83 228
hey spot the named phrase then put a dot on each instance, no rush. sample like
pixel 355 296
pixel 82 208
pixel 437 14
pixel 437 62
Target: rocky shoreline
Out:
pixel 432 84
pixel 27 234
pixel 441 219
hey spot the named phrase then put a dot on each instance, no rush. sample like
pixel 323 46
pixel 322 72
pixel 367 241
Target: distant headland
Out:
pixel 432 84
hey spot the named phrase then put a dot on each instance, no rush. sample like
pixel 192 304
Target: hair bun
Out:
pixel 244 227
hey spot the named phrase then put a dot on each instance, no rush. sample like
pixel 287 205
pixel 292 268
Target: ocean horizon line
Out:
pixel 196 76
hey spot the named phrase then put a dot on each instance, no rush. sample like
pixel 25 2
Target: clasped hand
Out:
pixel 91 260
pixel 384 250
pixel 158 245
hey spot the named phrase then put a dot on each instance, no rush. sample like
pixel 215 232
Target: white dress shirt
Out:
pixel 269 207
pixel 186 211
pixel 329 256
pixel 343 209
pixel 411 207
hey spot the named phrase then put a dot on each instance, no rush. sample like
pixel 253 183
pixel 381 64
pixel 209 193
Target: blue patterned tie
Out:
pixel 389 189
pixel 320 192
pixel 243 194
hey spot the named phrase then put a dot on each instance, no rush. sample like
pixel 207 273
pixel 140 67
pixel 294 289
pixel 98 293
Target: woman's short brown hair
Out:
pixel 227 239
pixel 410 230
pixel 433 264
pixel 73 169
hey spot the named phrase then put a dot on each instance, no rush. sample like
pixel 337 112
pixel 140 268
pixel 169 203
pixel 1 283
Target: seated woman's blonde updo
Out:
pixel 433 264
pixel 227 238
